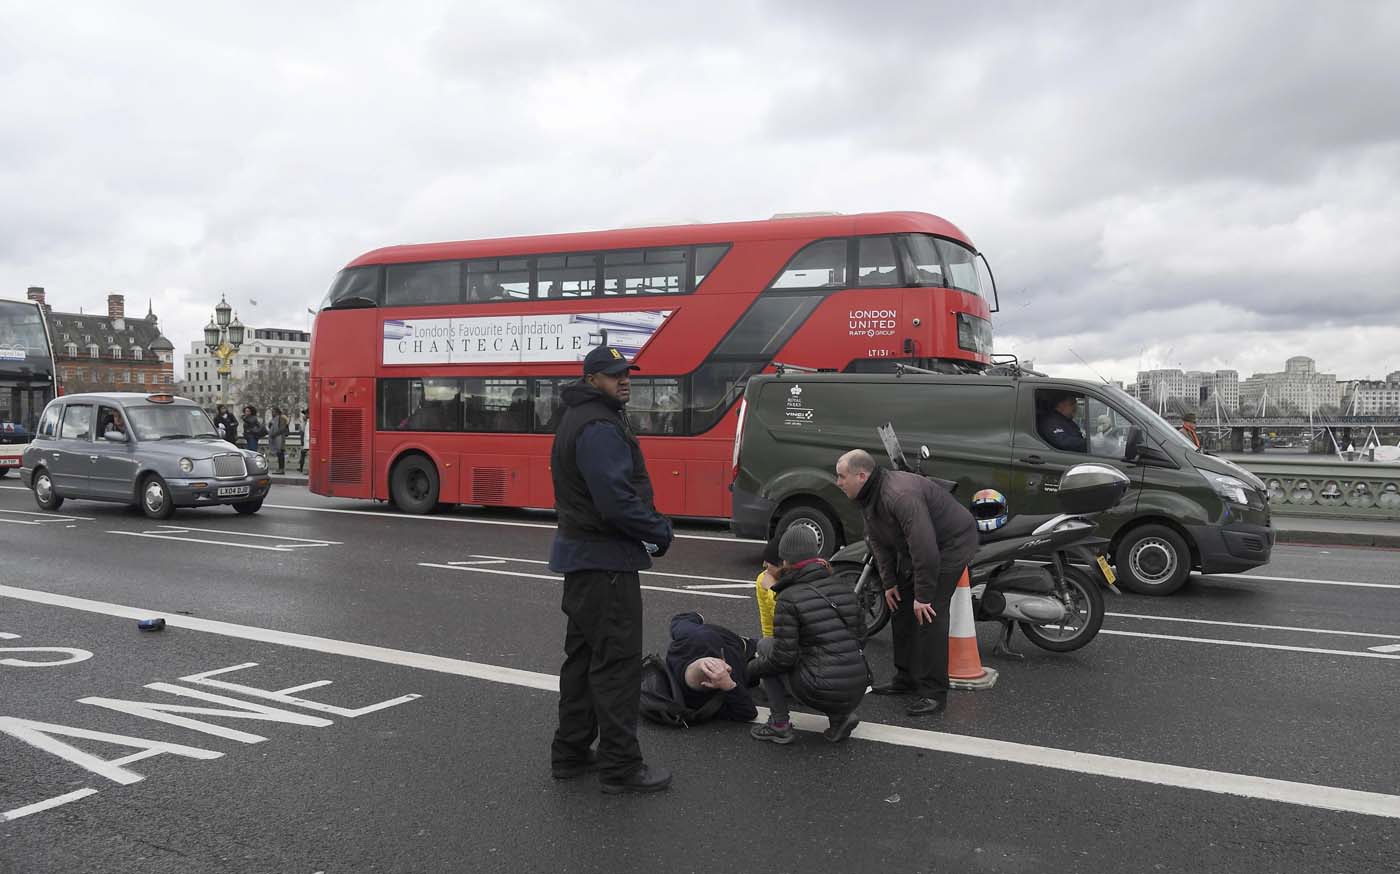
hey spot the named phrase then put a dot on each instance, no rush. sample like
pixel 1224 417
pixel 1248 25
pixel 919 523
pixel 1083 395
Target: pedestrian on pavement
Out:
pixel 277 429
pixel 608 530
pixel 1188 427
pixel 252 427
pixel 923 540
pixel 711 660
pixel 227 424
pixel 815 653
pixel 305 440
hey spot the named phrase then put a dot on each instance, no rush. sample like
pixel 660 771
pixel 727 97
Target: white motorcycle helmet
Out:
pixel 989 509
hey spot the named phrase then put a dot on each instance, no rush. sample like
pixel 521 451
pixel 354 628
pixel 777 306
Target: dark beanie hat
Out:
pixel 799 543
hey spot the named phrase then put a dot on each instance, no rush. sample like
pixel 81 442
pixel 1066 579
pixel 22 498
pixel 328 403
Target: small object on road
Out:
pixel 893 799
pixel 156 624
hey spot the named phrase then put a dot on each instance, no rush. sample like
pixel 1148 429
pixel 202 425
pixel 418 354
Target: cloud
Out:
pixel 1203 182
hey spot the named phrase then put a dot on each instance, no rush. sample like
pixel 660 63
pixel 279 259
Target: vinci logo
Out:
pixel 795 391
pixel 396 330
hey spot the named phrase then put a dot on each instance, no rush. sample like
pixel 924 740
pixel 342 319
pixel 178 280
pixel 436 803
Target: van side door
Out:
pixel 965 423
pixel 1036 465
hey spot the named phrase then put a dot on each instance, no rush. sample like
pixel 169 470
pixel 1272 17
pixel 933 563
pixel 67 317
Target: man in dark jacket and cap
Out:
pixel 815 652
pixel 608 531
pixel 923 540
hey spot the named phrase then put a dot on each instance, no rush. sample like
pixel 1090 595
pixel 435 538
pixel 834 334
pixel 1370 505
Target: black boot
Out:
pixel 644 779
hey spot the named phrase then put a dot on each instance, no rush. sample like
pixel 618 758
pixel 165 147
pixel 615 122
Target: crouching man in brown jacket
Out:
pixel 922 539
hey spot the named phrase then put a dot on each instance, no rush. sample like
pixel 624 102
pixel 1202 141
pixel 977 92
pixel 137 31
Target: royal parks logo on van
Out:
pixel 795 391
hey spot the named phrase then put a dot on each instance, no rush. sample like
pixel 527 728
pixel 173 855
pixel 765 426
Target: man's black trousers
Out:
pixel 600 683
pixel 921 651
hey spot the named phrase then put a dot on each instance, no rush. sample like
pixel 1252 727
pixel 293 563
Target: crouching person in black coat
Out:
pixel 815 652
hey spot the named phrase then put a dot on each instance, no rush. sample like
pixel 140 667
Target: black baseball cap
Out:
pixel 606 359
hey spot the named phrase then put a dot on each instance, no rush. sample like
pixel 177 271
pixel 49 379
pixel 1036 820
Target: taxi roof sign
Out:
pixel 161 399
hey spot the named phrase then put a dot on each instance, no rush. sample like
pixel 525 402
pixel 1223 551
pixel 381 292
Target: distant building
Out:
pixel 109 353
pixel 1299 386
pixel 1371 397
pixel 261 348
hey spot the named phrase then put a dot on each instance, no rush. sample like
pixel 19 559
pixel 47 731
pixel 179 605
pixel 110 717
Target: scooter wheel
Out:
pixel 1086 608
pixel 872 600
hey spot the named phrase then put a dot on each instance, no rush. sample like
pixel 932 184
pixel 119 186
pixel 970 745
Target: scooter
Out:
pixel 1041 573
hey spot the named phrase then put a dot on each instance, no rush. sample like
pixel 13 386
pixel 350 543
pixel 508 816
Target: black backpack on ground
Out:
pixel 663 702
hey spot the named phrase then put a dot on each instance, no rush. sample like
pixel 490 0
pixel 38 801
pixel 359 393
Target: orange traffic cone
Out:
pixel 965 669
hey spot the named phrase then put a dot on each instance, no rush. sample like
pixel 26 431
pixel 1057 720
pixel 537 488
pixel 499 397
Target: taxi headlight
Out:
pixel 186 465
pixel 259 462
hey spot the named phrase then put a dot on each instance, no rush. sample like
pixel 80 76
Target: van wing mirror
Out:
pixel 1132 444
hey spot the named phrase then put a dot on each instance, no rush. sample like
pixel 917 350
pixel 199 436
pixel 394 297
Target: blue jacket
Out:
pixel 604 457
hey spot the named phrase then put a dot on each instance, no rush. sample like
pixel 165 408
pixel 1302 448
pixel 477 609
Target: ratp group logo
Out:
pixel 395 329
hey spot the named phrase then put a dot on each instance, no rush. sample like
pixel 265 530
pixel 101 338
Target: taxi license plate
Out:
pixel 233 491
pixel 1107 571
pixel 9 462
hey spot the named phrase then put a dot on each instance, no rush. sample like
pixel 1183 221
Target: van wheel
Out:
pixel 1153 560
pixel 814 519
pixel 414 485
pixel 44 495
pixel 155 498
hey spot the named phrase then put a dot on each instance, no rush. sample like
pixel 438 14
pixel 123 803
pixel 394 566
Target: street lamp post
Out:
pixel 223 337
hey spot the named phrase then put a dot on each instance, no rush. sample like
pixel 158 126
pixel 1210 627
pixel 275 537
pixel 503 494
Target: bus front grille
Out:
pixel 347 447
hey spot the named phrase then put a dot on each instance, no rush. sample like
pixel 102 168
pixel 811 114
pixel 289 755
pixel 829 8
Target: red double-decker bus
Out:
pixel 436 369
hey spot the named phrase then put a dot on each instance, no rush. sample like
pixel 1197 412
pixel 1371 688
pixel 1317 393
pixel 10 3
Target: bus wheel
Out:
pixel 814 519
pixel 414 485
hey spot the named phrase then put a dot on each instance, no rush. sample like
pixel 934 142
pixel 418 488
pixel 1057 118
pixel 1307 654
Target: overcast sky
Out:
pixel 1202 185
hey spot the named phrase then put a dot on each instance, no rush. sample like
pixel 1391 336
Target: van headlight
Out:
pixel 1228 487
pixel 259 462
pixel 186 465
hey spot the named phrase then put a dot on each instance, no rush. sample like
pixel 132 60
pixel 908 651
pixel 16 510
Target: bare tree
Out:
pixel 275 383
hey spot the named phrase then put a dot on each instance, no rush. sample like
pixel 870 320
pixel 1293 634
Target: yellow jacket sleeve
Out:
pixel 766 599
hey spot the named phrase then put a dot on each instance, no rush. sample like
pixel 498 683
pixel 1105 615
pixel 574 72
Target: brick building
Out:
pixel 112 352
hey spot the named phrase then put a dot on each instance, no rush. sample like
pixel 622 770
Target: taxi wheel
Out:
pixel 248 508
pixel 4 472
pixel 155 498
pixel 44 495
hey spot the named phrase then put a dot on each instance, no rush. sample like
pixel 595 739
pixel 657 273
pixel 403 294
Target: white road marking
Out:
pixel 721 586
pixel 176 532
pixel 5 635
pixel 554 579
pixel 48 804
pixel 1176 776
pixel 57 517
pixel 1330 631
pixel 459 519
pixel 1301 580
pixel 1250 645
pixel 479 561
pixel 727 580
pixel 1391 647
pixel 227 532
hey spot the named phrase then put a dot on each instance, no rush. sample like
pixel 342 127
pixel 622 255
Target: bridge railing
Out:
pixel 1303 487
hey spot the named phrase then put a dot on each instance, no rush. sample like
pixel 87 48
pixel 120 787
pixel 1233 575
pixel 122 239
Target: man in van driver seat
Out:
pixel 1056 425
pixel 923 540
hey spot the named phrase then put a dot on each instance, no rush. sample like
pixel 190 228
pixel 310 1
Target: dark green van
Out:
pixel 1187 509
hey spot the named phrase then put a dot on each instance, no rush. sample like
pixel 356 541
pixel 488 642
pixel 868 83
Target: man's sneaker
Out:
pixel 770 732
pixel 569 770
pixel 644 779
pixel 840 729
